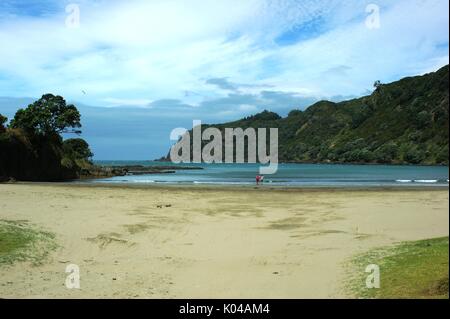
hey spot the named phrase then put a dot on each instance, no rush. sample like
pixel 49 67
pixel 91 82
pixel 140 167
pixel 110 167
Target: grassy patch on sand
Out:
pixel 414 270
pixel 20 242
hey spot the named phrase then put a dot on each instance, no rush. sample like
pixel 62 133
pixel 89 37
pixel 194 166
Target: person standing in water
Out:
pixel 259 179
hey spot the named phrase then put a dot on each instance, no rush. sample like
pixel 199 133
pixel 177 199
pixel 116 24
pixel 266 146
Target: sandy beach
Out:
pixel 210 242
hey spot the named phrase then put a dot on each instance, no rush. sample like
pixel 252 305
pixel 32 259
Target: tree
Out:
pixel 377 84
pixel 387 152
pixel 294 113
pixel 442 155
pixel 414 156
pixel 48 115
pixel 423 119
pixel 77 148
pixel 3 120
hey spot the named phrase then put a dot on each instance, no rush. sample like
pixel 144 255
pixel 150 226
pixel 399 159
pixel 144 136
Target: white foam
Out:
pixel 404 181
pixel 426 181
pixel 223 183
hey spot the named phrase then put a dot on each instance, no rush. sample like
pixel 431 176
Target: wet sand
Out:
pixel 194 242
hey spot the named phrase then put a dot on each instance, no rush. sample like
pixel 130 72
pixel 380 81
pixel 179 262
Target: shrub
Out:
pixel 77 148
pixel 423 119
pixel 442 156
pixel 295 113
pixel 414 156
pixel 3 120
pixel 386 153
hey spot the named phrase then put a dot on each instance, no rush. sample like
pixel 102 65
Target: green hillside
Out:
pixel 401 122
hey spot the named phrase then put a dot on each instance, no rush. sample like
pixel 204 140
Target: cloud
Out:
pixel 222 83
pixel 339 70
pixel 151 50
pixel 239 104
pixel 127 102
pixel 170 105
pixel 214 59
pixel 226 85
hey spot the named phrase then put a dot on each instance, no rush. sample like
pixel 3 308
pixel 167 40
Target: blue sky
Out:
pixel 137 69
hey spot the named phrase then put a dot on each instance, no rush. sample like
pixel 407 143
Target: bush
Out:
pixel 3 120
pixel 360 116
pixel 77 148
pixel 442 156
pixel 365 156
pixel 67 163
pixel 423 119
pixel 295 113
pixel 414 156
pixel 359 156
pixel 350 147
pixel 415 136
pixel 386 153
pixel 332 156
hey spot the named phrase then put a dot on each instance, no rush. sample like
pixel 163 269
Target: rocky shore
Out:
pixel 110 171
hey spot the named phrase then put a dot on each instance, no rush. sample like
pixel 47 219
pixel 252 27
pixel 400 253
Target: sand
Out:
pixel 210 242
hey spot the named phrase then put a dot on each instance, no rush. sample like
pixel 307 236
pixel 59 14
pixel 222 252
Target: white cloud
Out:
pixel 127 102
pixel 140 51
pixel 156 56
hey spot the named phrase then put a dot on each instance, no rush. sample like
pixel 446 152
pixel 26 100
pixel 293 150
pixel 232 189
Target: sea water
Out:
pixel 333 175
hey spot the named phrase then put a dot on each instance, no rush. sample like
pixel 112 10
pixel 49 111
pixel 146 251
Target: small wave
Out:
pixel 223 183
pixel 426 181
pixel 404 181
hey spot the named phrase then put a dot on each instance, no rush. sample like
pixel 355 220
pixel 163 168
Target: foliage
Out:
pixel 3 120
pixel 48 115
pixel 377 84
pixel 386 153
pixel 32 149
pixel 77 148
pixel 401 122
pixel 414 155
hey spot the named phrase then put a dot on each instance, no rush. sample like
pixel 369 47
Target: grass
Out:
pixel 413 270
pixel 20 242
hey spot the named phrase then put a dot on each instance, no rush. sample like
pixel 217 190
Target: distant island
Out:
pixel 404 122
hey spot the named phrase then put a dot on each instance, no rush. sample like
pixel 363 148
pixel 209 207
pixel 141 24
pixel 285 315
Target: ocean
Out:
pixel 292 175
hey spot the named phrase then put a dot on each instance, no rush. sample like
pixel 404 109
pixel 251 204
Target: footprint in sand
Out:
pixel 103 240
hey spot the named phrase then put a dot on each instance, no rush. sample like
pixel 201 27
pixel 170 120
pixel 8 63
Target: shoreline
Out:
pixel 293 162
pixel 237 187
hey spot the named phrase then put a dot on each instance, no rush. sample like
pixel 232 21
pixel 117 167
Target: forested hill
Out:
pixel 401 122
